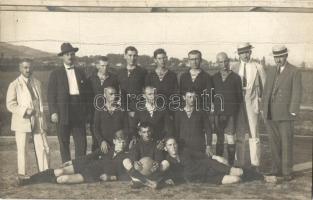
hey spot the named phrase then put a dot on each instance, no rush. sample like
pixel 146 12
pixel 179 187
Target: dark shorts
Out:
pixel 92 170
pixel 206 170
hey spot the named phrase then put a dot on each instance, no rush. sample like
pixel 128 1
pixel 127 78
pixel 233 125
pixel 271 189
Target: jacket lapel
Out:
pixel 235 68
pixel 253 73
pixel 281 76
pixel 64 79
pixel 78 78
pixel 25 92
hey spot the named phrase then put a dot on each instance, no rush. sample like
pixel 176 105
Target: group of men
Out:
pixel 138 119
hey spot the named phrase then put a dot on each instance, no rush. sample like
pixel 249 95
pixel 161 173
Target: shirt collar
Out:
pixel 102 77
pixel 130 67
pixel 150 107
pixel 24 78
pixel 68 66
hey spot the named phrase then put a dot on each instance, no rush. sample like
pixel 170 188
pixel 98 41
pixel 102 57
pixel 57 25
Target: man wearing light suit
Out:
pixel 253 78
pixel 24 101
pixel 280 107
pixel 68 95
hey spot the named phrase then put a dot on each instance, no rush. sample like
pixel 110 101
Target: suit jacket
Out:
pixel 255 90
pixel 18 100
pixel 59 96
pixel 282 93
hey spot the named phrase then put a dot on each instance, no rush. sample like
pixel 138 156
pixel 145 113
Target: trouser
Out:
pixel 248 116
pixel 77 127
pixel 94 145
pixel 79 136
pixel 281 144
pixel 225 124
pixel 41 150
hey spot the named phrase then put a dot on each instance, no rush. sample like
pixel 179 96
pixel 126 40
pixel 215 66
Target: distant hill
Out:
pixel 9 51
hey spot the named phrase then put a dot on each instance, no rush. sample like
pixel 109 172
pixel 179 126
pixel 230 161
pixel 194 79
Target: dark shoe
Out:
pixel 287 178
pixel 219 149
pixel 136 184
pixel 255 168
pixel 22 180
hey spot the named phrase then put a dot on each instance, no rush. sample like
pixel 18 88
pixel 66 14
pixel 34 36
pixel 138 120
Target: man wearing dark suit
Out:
pixel 280 107
pixel 102 79
pixel 67 99
pixel 197 79
pixel 163 79
pixel 228 91
pixel 131 80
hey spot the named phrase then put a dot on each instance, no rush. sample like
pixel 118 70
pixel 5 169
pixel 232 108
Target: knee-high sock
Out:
pixel 231 150
pixel 219 149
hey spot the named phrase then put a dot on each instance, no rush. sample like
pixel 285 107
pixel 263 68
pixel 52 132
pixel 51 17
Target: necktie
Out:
pixel 30 88
pixel 244 78
pixel 279 69
pixel 129 72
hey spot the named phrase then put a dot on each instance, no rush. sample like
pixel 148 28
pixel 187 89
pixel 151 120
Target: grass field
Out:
pixel 299 188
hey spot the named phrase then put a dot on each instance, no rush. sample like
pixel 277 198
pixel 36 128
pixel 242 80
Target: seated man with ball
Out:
pixel 145 164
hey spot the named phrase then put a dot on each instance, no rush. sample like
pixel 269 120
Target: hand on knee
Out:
pixel 164 165
pixel 236 171
pixel 127 163
pixel 228 179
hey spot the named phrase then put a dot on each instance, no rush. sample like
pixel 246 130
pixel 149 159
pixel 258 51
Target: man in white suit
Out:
pixel 253 78
pixel 24 101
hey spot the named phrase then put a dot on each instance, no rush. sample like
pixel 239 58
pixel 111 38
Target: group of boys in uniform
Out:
pixel 151 128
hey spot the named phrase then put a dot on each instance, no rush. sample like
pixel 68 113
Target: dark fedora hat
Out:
pixel 67 47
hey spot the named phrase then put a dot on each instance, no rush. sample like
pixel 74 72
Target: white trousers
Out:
pixel 41 151
pixel 248 116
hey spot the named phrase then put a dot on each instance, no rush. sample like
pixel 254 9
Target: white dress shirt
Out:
pixel 150 108
pixel 249 70
pixel 282 69
pixel 72 81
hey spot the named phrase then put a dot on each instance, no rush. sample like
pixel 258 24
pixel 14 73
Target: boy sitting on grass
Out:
pixel 145 164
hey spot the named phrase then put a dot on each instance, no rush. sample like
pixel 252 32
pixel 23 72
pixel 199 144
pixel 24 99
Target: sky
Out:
pixel 177 33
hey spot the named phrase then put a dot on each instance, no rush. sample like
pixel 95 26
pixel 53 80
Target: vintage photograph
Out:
pixel 156 100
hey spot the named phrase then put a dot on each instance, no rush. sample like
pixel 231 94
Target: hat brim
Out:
pixel 244 51
pixel 70 50
pixel 279 54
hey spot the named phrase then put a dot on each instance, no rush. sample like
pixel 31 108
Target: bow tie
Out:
pixel 69 68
